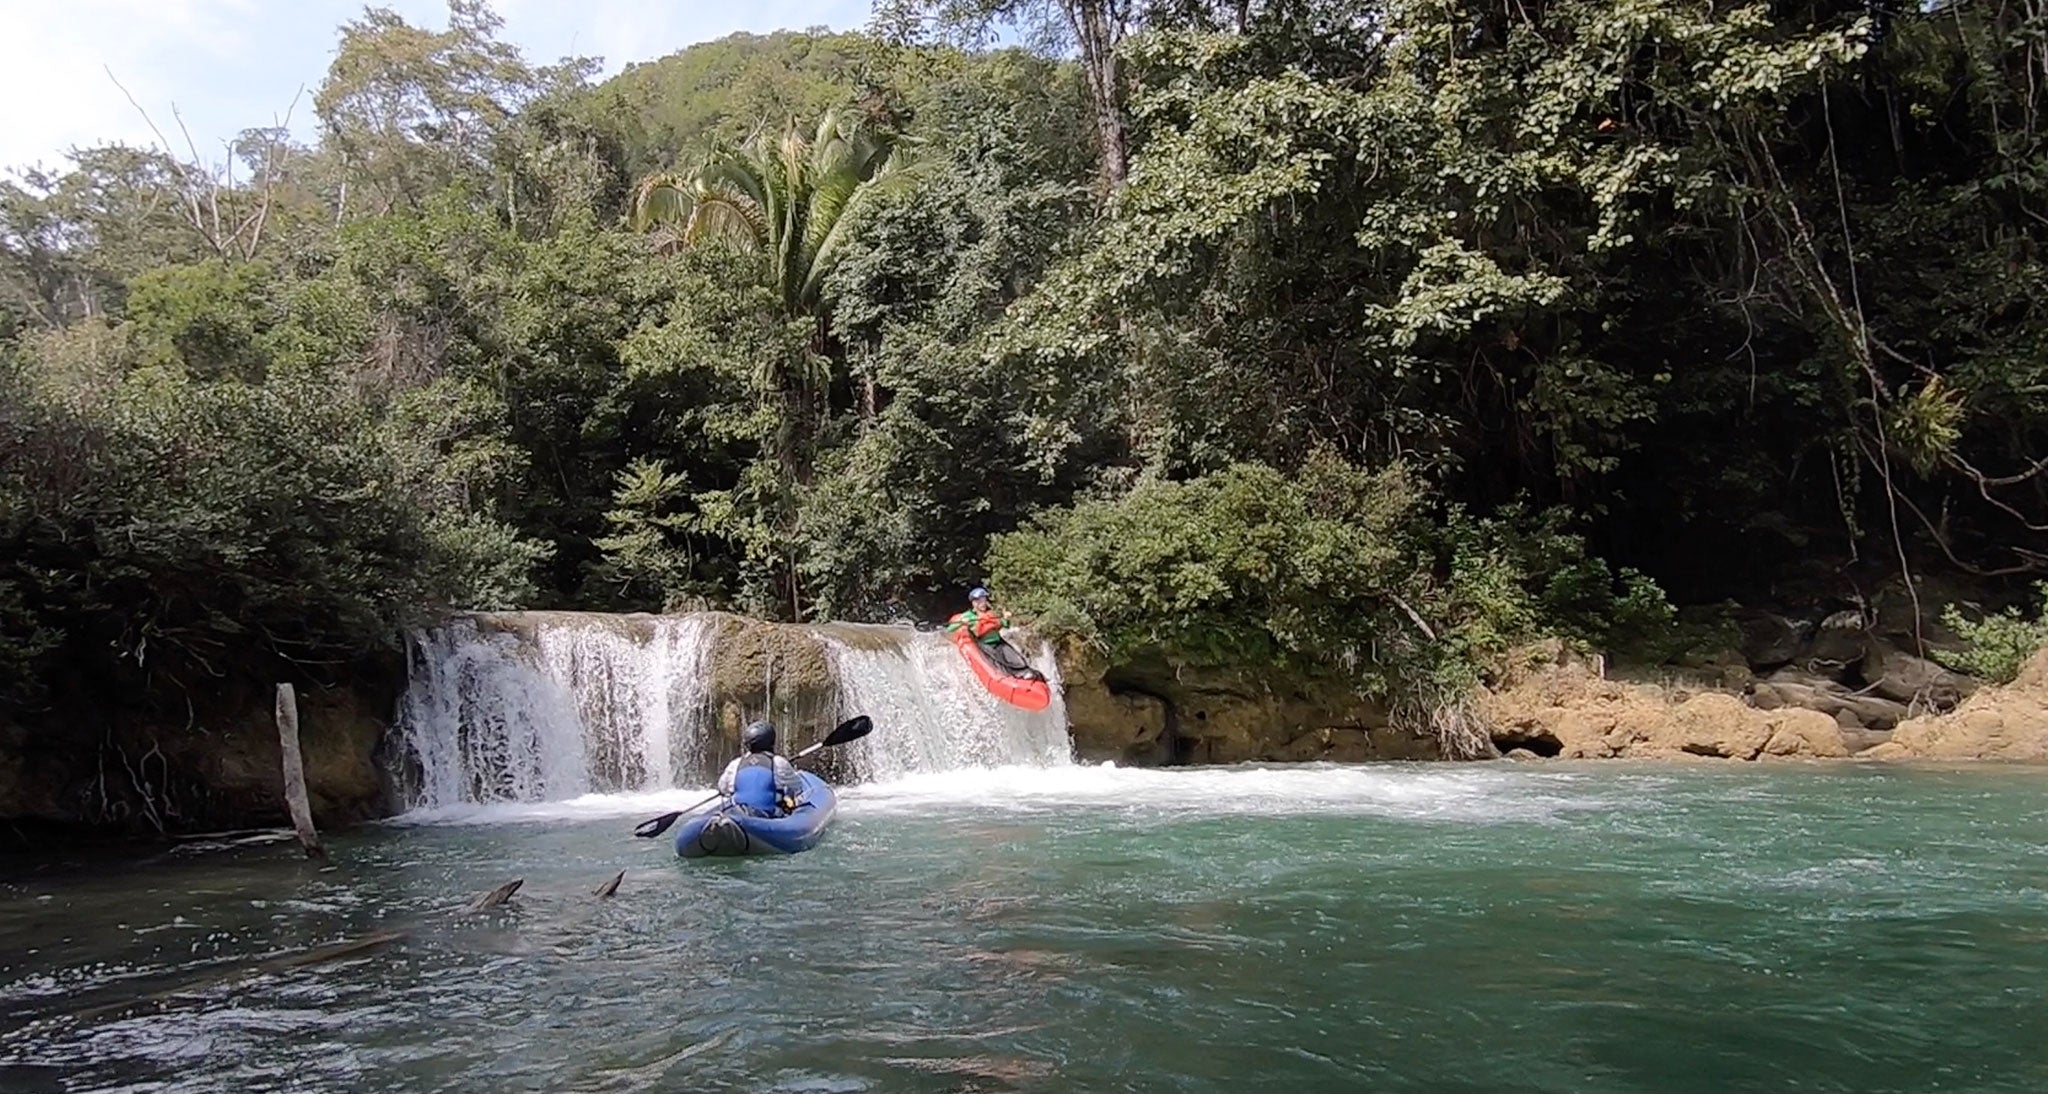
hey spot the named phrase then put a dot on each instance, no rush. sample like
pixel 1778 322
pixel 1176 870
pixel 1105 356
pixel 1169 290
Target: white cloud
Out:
pixel 231 64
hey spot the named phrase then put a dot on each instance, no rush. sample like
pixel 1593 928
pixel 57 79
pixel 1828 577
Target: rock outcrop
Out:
pixel 110 766
pixel 1850 663
pixel 1555 704
pixel 1156 713
pixel 1995 723
pixel 750 657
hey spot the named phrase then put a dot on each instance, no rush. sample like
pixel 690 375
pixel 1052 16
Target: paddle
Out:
pixel 852 729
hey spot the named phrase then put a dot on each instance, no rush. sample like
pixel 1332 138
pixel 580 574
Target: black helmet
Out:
pixel 758 737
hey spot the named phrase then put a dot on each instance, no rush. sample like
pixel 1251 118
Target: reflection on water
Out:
pixel 1394 928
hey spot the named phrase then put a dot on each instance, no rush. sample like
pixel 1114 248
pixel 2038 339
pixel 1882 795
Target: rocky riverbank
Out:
pixel 1554 704
pixel 1833 683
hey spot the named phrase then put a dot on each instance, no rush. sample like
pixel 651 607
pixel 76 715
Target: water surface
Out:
pixel 1388 928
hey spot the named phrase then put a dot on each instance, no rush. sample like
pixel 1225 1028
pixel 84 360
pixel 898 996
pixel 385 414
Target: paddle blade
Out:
pixel 852 729
pixel 648 829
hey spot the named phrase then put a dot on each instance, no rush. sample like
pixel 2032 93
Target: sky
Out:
pixel 228 65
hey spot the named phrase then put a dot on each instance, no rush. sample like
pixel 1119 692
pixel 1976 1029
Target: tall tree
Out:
pixel 1094 29
pixel 412 111
pixel 793 201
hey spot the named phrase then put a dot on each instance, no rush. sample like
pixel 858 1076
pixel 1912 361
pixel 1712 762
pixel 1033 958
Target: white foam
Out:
pixel 1416 791
pixel 1420 792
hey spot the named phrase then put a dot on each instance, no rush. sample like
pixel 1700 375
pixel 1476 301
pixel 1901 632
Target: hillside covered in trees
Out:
pixel 1380 334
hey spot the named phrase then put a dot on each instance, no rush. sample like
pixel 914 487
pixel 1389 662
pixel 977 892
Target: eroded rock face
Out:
pixel 1124 726
pixel 1561 702
pixel 214 765
pixel 1996 723
pixel 747 654
pixel 1159 714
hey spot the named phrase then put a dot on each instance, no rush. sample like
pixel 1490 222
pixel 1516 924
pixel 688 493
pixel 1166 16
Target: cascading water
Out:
pixel 546 706
pixel 930 712
pixel 539 707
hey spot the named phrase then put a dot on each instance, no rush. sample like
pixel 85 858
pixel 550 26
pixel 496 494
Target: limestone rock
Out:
pixel 1806 733
pixel 1152 712
pixel 1996 723
pixel 750 655
pixel 1579 715
pixel 1123 726
pixel 1791 687
pixel 1716 725
pixel 212 765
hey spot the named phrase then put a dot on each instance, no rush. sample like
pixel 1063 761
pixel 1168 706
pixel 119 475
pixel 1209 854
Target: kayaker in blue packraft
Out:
pixel 759 781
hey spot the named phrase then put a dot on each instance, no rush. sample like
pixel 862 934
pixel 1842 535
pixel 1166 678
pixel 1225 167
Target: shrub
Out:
pixel 170 529
pixel 1336 569
pixel 1997 646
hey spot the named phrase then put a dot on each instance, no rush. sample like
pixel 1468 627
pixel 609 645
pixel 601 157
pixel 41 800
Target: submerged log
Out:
pixel 608 888
pixel 236 836
pixel 323 954
pixel 295 772
pixel 319 955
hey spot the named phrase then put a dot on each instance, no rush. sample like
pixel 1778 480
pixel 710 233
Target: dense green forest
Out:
pixel 1372 334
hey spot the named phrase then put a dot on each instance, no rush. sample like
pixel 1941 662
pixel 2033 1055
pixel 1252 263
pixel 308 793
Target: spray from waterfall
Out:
pixel 932 713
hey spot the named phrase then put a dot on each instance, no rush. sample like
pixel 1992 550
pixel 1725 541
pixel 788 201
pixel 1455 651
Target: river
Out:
pixel 1497 927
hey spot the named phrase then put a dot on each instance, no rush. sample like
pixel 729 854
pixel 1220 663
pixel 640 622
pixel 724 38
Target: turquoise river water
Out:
pixel 1491 928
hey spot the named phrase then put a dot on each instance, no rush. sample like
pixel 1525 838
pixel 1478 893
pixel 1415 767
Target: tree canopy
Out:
pixel 1361 336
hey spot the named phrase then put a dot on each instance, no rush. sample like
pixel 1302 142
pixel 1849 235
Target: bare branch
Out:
pixel 1987 481
pixel 1984 486
pixel 1413 616
pixel 1941 541
pixel 212 189
pixel 272 165
pixel 192 213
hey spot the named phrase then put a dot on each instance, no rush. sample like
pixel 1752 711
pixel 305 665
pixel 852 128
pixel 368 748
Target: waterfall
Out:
pixel 537 707
pixel 544 706
pixel 930 712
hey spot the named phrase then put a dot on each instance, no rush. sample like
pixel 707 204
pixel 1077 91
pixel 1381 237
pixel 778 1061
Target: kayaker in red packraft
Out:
pixel 980 619
pixel 985 625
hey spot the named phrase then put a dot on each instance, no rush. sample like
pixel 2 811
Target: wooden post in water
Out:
pixel 295 772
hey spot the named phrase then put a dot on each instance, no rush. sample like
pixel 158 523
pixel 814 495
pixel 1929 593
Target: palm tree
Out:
pixel 793 200
pixel 790 198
